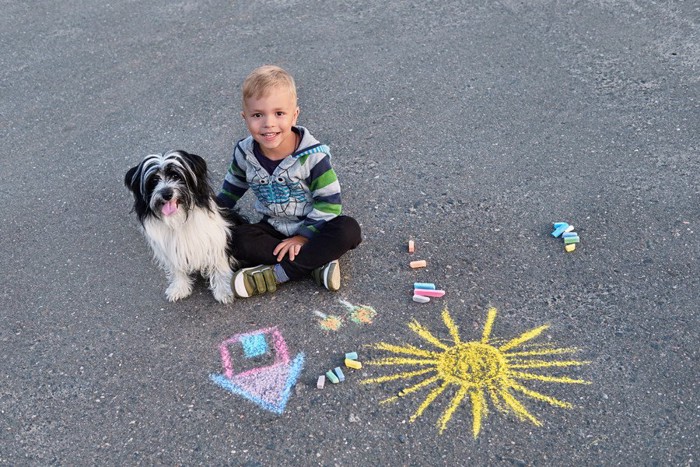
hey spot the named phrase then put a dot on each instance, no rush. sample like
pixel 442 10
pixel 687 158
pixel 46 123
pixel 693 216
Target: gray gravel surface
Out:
pixel 468 126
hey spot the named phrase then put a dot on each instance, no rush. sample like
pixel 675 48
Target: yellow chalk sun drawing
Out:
pixel 488 369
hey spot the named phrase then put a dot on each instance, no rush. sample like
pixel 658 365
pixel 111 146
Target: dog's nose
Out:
pixel 167 194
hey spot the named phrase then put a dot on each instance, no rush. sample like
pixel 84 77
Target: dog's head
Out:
pixel 169 184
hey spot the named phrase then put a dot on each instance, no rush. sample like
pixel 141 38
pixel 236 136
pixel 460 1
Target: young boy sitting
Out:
pixel 301 233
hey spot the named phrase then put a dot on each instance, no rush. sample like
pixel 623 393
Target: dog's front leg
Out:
pixel 180 285
pixel 220 284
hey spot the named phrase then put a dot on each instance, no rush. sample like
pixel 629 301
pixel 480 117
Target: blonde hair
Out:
pixel 263 79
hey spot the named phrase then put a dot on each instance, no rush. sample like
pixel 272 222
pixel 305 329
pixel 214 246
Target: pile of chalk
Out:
pixel 336 375
pixel 422 291
pixel 566 231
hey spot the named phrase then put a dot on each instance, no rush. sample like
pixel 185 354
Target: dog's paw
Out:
pixel 178 290
pixel 225 298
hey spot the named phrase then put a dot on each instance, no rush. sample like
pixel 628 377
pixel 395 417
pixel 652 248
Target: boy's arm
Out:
pixel 325 191
pixel 234 186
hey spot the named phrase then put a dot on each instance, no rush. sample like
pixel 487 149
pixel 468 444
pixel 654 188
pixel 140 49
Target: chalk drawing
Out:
pixel 479 371
pixel 358 314
pixel 269 386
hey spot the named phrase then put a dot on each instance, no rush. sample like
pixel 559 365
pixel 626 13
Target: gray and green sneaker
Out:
pixel 253 281
pixel 328 276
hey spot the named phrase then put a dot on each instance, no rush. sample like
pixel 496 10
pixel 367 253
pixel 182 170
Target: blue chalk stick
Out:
pixel 339 374
pixel 351 355
pixel 424 285
pixel 559 224
pixel 569 234
pixel 559 230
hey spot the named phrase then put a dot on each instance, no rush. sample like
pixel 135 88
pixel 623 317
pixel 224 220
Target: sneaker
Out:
pixel 328 276
pixel 253 281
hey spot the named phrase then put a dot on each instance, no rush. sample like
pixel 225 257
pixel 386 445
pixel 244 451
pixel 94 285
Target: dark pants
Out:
pixel 253 244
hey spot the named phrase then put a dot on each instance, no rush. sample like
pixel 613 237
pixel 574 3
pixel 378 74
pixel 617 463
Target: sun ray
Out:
pixel 535 353
pixel 524 337
pixel 423 332
pixel 429 400
pixel 545 364
pixel 451 326
pixel 539 396
pixel 497 400
pixel 450 410
pixel 406 349
pixel 396 376
pixel 414 388
pixel 490 318
pixel 402 361
pixel 546 378
pixel 479 411
pixel 518 408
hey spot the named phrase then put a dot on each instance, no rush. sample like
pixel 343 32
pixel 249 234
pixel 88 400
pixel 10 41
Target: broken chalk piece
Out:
pixel 339 374
pixel 570 247
pixel 332 377
pixel 421 299
pixel 569 234
pixel 569 229
pixel 321 382
pixel 569 240
pixel 351 356
pixel 411 246
pixel 428 293
pixel 354 364
pixel 424 285
pixel 559 224
pixel 418 264
pixel 559 230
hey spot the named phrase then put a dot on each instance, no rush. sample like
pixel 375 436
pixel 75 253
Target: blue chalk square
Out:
pixel 254 345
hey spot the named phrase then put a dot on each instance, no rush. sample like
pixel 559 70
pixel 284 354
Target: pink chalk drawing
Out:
pixel 268 386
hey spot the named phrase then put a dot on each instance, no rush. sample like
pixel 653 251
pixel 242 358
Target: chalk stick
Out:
pixel 569 234
pixel 421 299
pixel 424 285
pixel 569 229
pixel 418 264
pixel 428 293
pixel 559 224
pixel 569 240
pixel 332 377
pixel 559 230
pixel 354 364
pixel 570 247
pixel 351 355
pixel 321 382
pixel 339 374
pixel 411 246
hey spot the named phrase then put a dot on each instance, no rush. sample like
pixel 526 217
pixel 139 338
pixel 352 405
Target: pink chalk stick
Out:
pixel 428 293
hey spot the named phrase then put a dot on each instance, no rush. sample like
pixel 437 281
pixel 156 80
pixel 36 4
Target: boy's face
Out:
pixel 270 119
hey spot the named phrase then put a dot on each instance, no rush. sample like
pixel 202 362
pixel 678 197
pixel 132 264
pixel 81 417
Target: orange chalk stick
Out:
pixel 411 246
pixel 418 264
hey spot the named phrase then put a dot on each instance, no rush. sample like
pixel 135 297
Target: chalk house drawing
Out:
pixel 480 371
pixel 269 385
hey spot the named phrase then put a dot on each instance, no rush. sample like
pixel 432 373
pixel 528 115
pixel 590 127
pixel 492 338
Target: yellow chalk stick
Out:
pixel 354 364
pixel 570 247
pixel 418 264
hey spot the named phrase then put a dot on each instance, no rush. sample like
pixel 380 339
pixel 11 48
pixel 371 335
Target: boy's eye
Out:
pixel 257 115
pixel 279 114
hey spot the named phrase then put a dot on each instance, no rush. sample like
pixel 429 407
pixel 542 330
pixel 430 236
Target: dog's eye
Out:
pixel 152 182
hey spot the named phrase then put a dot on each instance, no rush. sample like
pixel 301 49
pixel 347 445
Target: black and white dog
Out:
pixel 186 229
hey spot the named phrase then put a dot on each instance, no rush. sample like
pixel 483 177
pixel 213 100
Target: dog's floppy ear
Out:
pixel 197 164
pixel 131 180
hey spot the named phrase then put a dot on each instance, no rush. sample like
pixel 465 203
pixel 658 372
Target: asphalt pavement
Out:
pixel 469 127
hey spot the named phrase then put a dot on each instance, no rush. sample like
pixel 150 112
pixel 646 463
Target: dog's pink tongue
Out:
pixel 170 208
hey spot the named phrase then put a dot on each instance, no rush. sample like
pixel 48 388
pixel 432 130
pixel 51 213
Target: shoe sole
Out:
pixel 331 277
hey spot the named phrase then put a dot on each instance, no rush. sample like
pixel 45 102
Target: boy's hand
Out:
pixel 290 246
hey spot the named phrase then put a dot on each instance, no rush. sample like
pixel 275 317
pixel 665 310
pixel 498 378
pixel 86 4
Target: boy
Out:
pixel 302 232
